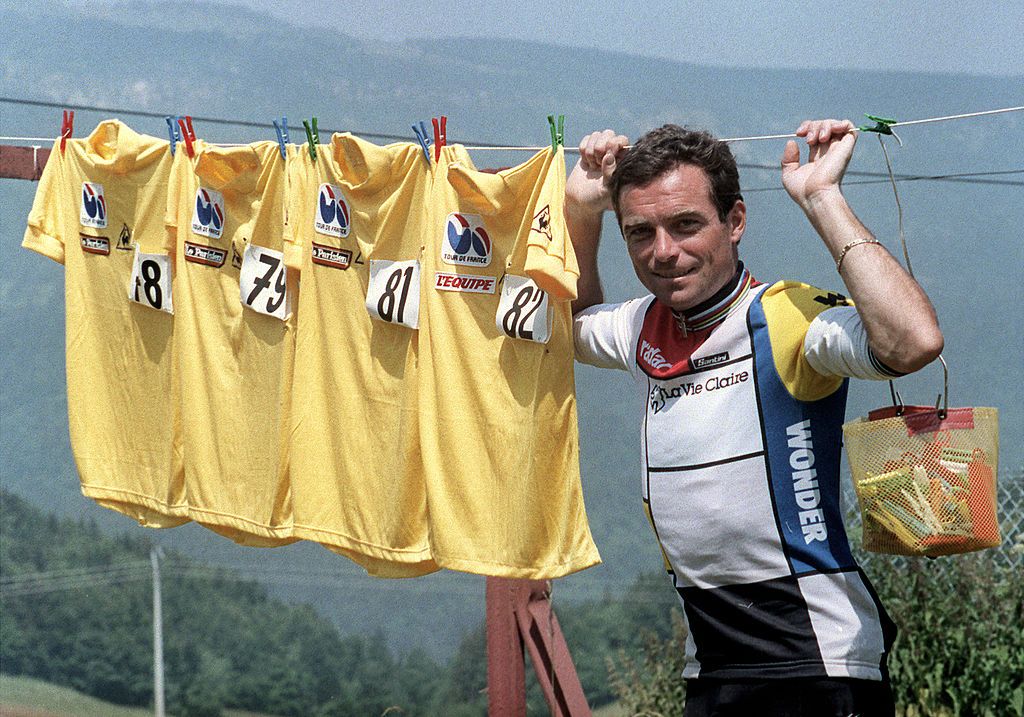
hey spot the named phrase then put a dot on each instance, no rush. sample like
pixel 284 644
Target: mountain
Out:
pixel 220 62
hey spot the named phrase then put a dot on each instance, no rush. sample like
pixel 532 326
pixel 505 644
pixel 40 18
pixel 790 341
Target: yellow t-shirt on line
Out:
pixel 498 429
pixel 99 208
pixel 356 474
pixel 225 218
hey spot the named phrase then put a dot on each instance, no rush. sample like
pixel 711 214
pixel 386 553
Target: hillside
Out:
pixel 963 237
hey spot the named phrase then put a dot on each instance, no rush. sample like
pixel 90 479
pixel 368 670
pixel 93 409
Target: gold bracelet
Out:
pixel 842 253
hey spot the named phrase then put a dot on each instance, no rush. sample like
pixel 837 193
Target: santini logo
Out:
pixel 651 355
pixel 94 206
pixel 332 216
pixel 466 241
pixel 712 360
pixel 329 256
pixel 208 216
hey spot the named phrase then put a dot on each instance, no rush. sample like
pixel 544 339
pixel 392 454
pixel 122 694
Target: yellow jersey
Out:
pixel 357 483
pixel 98 210
pixel 234 337
pixel 498 427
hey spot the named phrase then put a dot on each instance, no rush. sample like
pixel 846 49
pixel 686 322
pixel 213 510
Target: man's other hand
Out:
pixel 830 146
pixel 587 187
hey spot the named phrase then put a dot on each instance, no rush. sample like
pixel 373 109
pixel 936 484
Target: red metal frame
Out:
pixel 519 614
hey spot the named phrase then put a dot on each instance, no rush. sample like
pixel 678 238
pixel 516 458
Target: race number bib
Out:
pixel 394 292
pixel 523 311
pixel 150 284
pixel 263 282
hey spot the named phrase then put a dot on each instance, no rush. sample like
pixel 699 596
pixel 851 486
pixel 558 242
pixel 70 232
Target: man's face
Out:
pixel 681 251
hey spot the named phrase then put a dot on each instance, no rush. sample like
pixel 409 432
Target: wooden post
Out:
pixel 22 162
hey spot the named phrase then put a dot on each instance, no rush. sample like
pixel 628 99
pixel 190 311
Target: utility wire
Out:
pixel 966 178
pixel 96 576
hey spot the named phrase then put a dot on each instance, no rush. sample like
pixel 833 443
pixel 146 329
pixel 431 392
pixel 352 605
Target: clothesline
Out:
pixel 791 135
pixel 514 148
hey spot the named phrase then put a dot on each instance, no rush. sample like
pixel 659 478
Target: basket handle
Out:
pixel 943 398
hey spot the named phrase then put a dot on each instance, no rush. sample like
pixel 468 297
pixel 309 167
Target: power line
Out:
pixel 966 177
pixel 95 576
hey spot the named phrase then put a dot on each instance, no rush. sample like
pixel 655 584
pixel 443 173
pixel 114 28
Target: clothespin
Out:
pixel 440 136
pixel 67 128
pixel 882 125
pixel 312 137
pixel 172 132
pixel 557 131
pixel 282 136
pixel 423 138
pixel 188 134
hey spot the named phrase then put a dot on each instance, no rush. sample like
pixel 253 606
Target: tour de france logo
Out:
pixel 466 241
pixel 332 217
pixel 94 206
pixel 208 217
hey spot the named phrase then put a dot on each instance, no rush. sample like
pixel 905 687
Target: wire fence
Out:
pixel 1010 507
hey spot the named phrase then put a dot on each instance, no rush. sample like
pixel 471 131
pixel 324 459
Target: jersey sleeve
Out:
pixel 790 308
pixel 836 344
pixel 365 167
pixel 550 259
pixel 297 169
pixel 605 335
pixel 536 188
pixel 180 166
pixel 43 233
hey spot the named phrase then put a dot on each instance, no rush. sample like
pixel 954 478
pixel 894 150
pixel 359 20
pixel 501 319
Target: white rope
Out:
pixel 28 139
pixel 492 148
pixel 954 117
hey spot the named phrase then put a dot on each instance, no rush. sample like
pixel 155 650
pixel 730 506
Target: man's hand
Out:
pixel 587 196
pixel 899 319
pixel 830 144
pixel 586 189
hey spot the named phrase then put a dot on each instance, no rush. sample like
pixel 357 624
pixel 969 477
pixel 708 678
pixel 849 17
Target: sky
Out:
pixel 975 37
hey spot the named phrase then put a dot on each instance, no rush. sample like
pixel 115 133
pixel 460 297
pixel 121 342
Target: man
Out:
pixel 744 387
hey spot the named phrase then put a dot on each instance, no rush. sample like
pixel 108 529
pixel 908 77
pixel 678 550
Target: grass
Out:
pixel 610 710
pixel 27 697
pixel 24 696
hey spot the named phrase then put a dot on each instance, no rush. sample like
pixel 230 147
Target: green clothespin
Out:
pixel 557 131
pixel 312 137
pixel 882 125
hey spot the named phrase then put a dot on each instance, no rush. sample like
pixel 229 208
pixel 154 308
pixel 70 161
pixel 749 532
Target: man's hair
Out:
pixel 662 150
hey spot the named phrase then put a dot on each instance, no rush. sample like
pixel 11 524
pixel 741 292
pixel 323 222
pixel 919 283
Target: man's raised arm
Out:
pixel 901 325
pixel 586 199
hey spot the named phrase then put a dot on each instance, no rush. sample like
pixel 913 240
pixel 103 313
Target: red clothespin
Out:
pixel 440 138
pixel 188 134
pixel 67 128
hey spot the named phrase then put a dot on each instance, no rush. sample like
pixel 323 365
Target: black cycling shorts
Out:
pixel 798 697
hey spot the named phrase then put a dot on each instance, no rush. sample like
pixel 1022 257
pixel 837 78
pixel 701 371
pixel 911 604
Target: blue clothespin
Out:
pixel 424 138
pixel 282 136
pixel 172 131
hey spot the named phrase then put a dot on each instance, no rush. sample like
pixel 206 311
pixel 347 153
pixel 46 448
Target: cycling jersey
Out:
pixel 99 207
pixel 741 445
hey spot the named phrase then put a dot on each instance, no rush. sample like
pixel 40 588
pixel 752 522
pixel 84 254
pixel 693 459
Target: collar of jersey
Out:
pixel 715 309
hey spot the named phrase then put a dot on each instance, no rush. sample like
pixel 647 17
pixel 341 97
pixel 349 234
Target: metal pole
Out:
pixel 158 635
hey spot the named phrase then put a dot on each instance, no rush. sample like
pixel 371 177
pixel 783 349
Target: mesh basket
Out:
pixel 926 484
